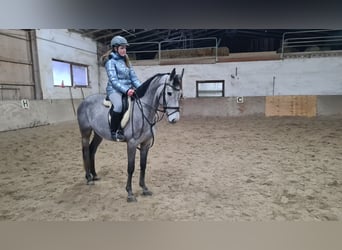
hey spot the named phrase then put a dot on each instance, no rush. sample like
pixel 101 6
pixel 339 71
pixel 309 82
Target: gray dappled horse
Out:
pixel 161 90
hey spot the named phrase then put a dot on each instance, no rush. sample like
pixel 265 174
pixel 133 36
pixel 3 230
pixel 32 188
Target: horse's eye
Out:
pixel 169 93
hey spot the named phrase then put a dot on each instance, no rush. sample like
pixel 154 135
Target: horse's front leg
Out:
pixel 144 148
pixel 131 151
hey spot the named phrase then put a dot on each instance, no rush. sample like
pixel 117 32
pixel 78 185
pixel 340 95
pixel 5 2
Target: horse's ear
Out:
pixel 173 73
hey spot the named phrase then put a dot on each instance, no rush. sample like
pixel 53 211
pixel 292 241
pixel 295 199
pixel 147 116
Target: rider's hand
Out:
pixel 130 92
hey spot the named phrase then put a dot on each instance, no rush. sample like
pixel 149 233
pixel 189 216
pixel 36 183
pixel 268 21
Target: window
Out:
pixel 210 88
pixel 66 74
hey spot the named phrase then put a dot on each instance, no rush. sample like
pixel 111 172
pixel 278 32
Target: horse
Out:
pixel 159 94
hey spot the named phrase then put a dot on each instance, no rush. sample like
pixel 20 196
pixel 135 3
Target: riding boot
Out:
pixel 117 133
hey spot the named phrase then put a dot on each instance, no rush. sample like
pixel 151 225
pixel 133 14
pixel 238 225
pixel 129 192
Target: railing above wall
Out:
pixel 162 51
pixel 310 42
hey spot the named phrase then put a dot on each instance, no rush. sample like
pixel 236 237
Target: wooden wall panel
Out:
pixel 16 74
pixel 14 45
pixel 291 106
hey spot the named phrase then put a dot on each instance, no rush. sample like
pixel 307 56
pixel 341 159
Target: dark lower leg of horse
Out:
pixel 143 162
pixel 130 170
pixel 92 150
pixel 86 156
pixel 86 161
pixel 142 184
pixel 130 195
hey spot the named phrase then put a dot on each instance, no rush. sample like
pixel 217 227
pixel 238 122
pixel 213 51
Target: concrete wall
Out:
pixel 42 112
pixel 14 116
pixel 329 105
pixel 299 76
pixel 67 46
pixel 223 106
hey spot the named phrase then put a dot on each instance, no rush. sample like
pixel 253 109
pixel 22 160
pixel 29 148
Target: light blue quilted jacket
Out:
pixel 120 77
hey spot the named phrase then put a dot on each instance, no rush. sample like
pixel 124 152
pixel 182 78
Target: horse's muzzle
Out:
pixel 173 118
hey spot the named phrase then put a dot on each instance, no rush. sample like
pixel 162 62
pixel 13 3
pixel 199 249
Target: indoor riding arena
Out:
pixel 259 136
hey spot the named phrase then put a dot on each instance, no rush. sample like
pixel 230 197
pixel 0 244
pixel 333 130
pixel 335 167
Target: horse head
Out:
pixel 171 96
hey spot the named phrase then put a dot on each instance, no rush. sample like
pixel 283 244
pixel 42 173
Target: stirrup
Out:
pixel 118 136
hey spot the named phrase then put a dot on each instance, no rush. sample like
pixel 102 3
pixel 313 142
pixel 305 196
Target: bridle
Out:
pixel 165 104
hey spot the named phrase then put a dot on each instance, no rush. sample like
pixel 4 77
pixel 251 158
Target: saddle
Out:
pixel 126 109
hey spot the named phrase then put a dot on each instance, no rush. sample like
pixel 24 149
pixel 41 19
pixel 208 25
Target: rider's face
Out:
pixel 122 50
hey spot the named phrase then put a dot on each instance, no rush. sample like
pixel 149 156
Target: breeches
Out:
pixel 116 99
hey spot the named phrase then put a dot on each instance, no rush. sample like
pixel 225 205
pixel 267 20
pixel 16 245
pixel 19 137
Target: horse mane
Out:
pixel 141 90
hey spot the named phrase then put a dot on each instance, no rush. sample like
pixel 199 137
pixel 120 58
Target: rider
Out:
pixel 122 80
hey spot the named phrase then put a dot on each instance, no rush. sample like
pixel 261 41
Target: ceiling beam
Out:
pixel 108 34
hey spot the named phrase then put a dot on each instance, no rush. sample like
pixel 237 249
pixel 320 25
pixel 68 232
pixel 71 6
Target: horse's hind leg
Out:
pixel 144 148
pixel 86 155
pixel 92 150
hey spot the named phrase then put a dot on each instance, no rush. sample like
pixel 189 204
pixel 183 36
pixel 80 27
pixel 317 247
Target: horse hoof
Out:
pixel 91 182
pixel 131 198
pixel 147 193
pixel 96 178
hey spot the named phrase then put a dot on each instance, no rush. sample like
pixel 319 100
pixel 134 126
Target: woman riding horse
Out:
pixel 122 80
pixel 160 93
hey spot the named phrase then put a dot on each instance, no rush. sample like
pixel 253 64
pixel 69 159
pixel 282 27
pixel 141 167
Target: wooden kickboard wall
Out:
pixel 291 106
